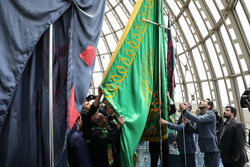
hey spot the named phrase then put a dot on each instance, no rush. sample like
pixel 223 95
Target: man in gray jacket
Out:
pixel 206 127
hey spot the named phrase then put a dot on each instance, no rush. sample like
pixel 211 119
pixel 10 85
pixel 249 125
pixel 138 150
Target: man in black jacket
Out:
pixel 232 140
pixel 102 140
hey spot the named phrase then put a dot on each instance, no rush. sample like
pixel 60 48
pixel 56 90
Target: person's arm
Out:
pixel 170 125
pixel 172 105
pixel 94 107
pixel 176 127
pixel 97 99
pixel 209 116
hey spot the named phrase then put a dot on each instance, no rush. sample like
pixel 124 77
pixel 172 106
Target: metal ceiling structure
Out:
pixel 212 42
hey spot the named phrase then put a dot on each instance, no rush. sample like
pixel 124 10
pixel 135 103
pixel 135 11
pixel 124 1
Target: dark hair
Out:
pixel 209 102
pixel 95 119
pixel 233 110
pixel 90 97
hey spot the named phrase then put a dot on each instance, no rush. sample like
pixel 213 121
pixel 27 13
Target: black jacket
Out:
pixel 232 142
pixel 99 144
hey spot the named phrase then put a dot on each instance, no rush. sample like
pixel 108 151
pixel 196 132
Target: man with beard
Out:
pixel 206 126
pixel 103 139
pixel 232 138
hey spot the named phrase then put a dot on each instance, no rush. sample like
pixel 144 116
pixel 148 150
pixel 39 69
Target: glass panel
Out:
pixel 199 22
pixel 119 34
pixel 230 51
pixel 122 15
pixel 223 93
pixel 105 28
pixel 113 2
pixel 97 64
pixel 199 64
pixel 111 42
pixel 191 91
pixel 244 23
pixel 101 47
pixel 247 5
pixel 98 79
pixel 220 5
pixel 113 20
pixel 240 85
pixel 214 58
pixel 247 78
pixel 187 32
pixel 179 48
pixel 128 5
pixel 178 94
pixel 105 61
pixel 172 4
pixel 205 90
pixel 213 10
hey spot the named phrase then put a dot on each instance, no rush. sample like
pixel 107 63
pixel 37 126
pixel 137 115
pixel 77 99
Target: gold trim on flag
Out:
pixel 124 34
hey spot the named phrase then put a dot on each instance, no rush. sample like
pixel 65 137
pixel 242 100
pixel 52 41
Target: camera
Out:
pixel 244 97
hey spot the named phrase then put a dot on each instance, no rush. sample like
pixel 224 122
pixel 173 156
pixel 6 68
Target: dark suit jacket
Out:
pixel 232 142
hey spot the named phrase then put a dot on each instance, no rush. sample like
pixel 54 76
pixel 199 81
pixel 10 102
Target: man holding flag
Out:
pixel 131 82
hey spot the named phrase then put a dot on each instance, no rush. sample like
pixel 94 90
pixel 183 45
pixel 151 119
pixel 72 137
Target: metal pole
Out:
pixel 158 24
pixel 159 65
pixel 51 139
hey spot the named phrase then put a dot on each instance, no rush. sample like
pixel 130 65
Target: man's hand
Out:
pixel 120 121
pixel 163 122
pixel 182 107
pixel 184 120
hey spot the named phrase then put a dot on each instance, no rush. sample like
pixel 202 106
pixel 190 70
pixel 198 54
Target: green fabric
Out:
pixel 131 83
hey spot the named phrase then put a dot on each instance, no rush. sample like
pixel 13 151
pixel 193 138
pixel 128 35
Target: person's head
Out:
pixel 98 119
pixel 230 112
pixel 108 108
pixel 79 122
pixel 210 103
pixel 204 106
pixel 88 102
pixel 187 106
pixel 86 105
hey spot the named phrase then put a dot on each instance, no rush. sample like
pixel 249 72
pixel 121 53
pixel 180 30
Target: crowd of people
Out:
pixel 94 141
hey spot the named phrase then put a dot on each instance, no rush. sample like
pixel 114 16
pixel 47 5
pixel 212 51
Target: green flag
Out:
pixel 131 80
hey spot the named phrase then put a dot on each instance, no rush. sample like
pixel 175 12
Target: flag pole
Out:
pixel 159 71
pixel 51 139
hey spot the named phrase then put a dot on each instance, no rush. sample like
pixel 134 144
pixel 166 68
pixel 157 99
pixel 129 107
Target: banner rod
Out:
pixel 158 24
pixel 159 65
pixel 51 139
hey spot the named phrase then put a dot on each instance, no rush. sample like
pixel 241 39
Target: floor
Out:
pixel 143 159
